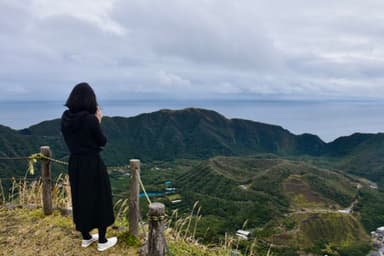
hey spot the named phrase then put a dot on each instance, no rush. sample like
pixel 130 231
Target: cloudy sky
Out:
pixel 192 48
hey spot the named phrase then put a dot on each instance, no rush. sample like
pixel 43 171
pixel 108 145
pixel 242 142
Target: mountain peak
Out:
pixel 191 111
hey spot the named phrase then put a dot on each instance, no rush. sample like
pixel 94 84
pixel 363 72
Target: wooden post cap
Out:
pixel 156 209
pixel 134 164
pixel 46 150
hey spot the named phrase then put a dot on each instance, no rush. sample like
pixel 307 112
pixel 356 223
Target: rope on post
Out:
pixel 32 159
pixel 54 160
pixel 145 192
pixel 45 157
pixel 156 218
pixel 36 156
pixel 156 245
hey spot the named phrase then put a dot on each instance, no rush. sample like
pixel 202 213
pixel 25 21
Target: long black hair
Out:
pixel 82 98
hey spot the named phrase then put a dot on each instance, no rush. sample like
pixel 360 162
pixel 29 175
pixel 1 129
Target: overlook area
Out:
pixel 295 194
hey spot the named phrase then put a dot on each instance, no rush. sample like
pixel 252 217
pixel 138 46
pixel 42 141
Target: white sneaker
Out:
pixel 104 246
pixel 86 243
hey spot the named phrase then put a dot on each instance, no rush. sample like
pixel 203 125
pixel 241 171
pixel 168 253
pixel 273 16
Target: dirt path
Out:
pixel 347 210
pixel 25 232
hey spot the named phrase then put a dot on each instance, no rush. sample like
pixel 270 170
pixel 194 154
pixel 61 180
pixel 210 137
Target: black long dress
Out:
pixel 90 186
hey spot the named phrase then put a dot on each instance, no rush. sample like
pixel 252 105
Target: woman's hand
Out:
pixel 98 114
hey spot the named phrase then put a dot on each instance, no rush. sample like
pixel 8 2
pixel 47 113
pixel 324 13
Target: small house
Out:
pixel 243 234
pixel 380 230
pixel 170 190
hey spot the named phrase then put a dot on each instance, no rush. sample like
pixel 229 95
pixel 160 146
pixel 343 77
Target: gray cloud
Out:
pixel 187 48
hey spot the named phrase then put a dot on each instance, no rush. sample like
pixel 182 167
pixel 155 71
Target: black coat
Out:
pixel 90 185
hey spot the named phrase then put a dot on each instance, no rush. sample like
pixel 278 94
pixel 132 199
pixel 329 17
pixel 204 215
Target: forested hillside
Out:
pixel 200 134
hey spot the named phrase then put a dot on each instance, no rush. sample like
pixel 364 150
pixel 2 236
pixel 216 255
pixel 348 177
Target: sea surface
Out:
pixel 327 119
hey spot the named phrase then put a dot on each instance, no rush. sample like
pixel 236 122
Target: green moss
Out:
pixel 34 214
pixel 61 221
pixel 185 248
pixel 129 240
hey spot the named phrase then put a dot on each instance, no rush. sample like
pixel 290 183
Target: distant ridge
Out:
pixel 200 134
pixel 192 133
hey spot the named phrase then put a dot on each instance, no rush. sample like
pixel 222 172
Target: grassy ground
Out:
pixel 27 232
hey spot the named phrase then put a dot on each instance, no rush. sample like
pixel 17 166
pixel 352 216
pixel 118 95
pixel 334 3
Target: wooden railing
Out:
pixel 156 243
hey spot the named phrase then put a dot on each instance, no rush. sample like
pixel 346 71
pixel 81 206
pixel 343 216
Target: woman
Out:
pixel 90 186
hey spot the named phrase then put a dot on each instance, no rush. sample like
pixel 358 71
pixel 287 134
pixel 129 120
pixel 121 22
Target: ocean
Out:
pixel 327 119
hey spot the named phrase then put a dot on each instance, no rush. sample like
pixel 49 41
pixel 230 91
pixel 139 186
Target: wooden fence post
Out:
pixel 68 204
pixel 133 216
pixel 46 178
pixel 156 240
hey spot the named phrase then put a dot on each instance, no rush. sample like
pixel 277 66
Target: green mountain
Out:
pixel 201 134
pixel 366 159
pixel 288 203
pixel 14 144
pixel 191 133
pixel 167 134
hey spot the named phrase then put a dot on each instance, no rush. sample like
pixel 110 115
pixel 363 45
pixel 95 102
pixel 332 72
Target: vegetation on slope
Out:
pixel 271 196
pixel 366 160
pixel 371 208
pixel 322 233
pixel 281 201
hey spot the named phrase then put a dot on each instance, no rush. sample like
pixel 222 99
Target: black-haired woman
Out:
pixel 90 185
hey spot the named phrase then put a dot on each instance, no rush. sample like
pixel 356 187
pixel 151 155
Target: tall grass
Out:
pixel 180 232
pixel 183 230
pixel 28 192
pixel 121 208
